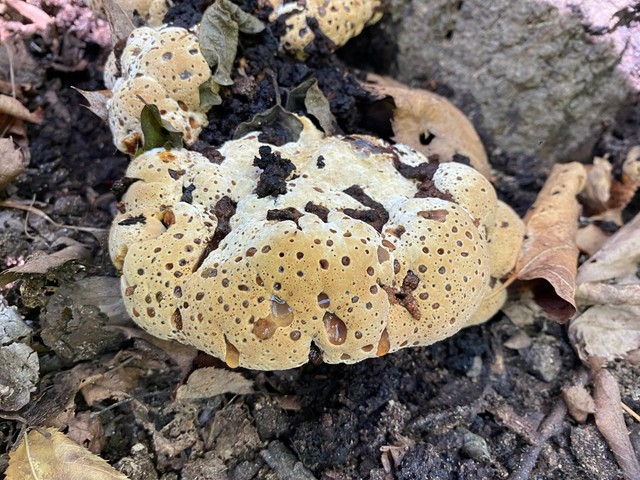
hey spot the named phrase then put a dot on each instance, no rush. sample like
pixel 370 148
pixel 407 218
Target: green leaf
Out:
pixel 208 96
pixel 308 97
pixel 277 125
pixel 218 37
pixel 157 132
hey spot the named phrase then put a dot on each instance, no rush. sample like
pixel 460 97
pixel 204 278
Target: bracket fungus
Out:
pixel 164 67
pixel 345 246
pixel 338 21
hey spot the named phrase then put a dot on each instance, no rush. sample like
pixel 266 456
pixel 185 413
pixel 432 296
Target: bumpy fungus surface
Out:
pixel 339 21
pixel 359 249
pixel 163 67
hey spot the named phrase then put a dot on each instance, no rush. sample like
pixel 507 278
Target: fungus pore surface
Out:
pixel 163 67
pixel 338 21
pixel 344 246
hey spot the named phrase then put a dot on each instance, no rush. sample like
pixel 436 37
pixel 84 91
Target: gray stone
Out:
pixel 530 78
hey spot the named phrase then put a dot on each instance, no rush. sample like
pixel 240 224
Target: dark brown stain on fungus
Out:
pixel 275 170
pixel 376 215
pixel 284 214
pixel 404 296
pixel 321 212
pixel 133 220
pixel 423 171
pixel 209 152
pixel 427 189
pixel 224 209
pixel 320 162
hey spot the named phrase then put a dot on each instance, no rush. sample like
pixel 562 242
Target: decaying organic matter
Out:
pixel 345 246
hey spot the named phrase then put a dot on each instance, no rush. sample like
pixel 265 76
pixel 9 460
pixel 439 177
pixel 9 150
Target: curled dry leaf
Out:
pixel 430 123
pixel 119 21
pixel 97 102
pixel 609 294
pixel 606 331
pixel 610 422
pixel 12 164
pixel 618 257
pixel 549 255
pixel 54 457
pixel 211 381
pixel 12 107
pixel 219 30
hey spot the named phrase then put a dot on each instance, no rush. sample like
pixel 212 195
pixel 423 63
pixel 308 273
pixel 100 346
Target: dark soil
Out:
pixel 465 408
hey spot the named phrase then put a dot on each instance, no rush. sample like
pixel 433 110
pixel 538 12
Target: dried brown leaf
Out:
pixel 606 331
pixel 86 429
pixel 182 355
pixel 119 21
pixel 97 102
pixel 55 457
pixel 14 108
pixel 211 381
pixel 430 123
pixel 117 384
pixel 12 162
pixel 549 255
pixel 41 262
pixel 618 257
pixel 609 294
pixel 610 422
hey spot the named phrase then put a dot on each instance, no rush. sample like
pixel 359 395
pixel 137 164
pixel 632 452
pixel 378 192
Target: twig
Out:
pixel 626 408
pixel 550 426
pixel 41 214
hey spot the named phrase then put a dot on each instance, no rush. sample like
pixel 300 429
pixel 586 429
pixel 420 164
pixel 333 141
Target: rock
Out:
pixel 530 77
pixel 544 359
pixel 19 366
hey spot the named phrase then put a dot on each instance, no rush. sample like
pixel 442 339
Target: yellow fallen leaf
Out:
pixel 549 254
pixel 55 457
pixel 430 123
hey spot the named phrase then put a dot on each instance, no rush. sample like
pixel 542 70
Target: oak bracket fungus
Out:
pixel 336 21
pixel 162 67
pixel 363 249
